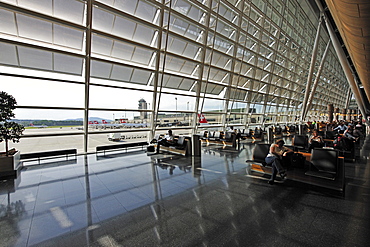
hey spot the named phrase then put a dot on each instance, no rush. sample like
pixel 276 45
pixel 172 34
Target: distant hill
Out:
pixel 66 122
pixel 70 119
pixel 90 119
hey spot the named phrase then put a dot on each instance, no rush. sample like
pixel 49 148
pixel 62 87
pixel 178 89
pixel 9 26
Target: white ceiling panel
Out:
pixel 33 58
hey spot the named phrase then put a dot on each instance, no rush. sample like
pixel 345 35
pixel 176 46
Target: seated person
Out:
pixel 167 141
pixel 349 133
pixel 343 143
pixel 275 159
pixel 358 133
pixel 340 128
pixel 315 141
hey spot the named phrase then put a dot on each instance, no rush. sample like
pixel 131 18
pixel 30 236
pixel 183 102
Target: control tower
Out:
pixel 143 106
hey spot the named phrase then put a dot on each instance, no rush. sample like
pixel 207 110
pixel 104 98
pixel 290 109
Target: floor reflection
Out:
pixel 136 199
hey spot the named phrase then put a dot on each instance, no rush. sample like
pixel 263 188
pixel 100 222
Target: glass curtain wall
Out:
pixel 93 70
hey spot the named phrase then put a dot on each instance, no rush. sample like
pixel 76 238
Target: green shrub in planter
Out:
pixel 9 131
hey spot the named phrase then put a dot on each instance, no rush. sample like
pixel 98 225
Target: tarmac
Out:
pixel 68 138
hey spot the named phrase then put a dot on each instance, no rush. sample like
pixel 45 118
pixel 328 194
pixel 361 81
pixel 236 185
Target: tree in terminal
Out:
pixel 9 130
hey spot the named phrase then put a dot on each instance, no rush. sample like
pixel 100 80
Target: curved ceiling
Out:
pixel 352 18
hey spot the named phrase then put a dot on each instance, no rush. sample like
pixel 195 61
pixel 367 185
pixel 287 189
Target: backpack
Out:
pixel 297 160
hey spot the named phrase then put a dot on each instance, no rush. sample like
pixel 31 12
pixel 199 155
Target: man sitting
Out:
pixel 167 141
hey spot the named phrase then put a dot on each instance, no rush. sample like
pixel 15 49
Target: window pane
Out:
pixel 44 92
pixel 115 98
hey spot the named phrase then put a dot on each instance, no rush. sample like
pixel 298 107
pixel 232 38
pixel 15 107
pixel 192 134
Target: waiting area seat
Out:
pixel 277 132
pixel 48 154
pixel 259 154
pixel 329 137
pixel 346 148
pixel 181 146
pixel 291 130
pixel 324 163
pixel 300 142
pixel 124 146
pixel 323 168
pixel 256 135
pixel 228 138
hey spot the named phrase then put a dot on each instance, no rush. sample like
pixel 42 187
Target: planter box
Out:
pixel 9 165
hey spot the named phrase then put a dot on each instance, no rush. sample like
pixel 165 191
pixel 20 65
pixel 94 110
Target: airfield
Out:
pixel 36 139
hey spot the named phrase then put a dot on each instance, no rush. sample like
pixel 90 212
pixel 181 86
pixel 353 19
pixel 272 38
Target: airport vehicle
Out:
pixel 114 137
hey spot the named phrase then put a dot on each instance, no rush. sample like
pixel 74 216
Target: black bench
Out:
pixel 47 154
pixel 182 146
pixel 121 146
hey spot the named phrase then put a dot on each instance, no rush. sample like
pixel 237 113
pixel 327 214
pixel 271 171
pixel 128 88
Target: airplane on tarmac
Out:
pixel 38 126
pixel 96 125
pixel 122 124
pixel 111 125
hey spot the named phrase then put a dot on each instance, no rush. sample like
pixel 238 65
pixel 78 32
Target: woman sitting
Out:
pixel 315 141
pixel 275 159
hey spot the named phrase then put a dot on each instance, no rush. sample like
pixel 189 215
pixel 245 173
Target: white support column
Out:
pixel 310 73
pixel 156 99
pixel 158 82
pixel 232 76
pixel 199 108
pixel 348 100
pixel 316 82
pixel 89 10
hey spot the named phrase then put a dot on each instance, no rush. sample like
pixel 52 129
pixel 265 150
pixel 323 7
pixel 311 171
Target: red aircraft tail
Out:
pixel 202 118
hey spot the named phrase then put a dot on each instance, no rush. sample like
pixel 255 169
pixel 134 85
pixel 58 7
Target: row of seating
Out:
pixel 289 130
pixel 258 134
pixel 48 154
pixel 181 145
pixel 300 143
pixel 228 138
pixel 125 146
pixel 254 135
pixel 323 165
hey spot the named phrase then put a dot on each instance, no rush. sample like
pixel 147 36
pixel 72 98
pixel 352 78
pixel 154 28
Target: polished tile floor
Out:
pixel 133 199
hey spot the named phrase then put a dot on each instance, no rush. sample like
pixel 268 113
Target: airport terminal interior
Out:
pixel 147 122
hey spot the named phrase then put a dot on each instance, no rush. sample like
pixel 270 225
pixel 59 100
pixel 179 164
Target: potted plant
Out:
pixel 9 131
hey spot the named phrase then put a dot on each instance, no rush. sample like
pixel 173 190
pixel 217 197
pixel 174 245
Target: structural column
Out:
pixel 349 116
pixel 89 12
pixel 344 112
pixel 330 113
pixel 336 113
pixel 311 70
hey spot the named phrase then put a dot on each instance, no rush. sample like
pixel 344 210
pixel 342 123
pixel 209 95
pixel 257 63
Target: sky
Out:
pixel 44 93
